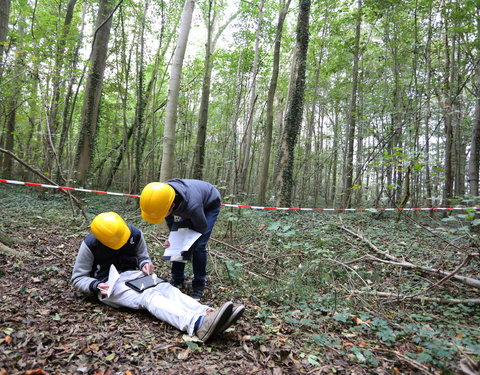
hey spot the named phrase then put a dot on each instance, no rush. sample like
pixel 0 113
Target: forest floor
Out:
pixel 293 324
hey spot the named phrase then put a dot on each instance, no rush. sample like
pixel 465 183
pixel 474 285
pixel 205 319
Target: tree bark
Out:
pixel 168 156
pixel 93 91
pixel 293 119
pixel 473 165
pixel 267 143
pixel 352 114
pixel 53 120
pixel 4 14
pixel 12 103
pixel 447 116
pixel 199 156
pixel 140 108
pixel 246 143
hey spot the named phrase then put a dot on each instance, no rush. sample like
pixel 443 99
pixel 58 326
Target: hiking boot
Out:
pixel 197 294
pixel 213 320
pixel 237 312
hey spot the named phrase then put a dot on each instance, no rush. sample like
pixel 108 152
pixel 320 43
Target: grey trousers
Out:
pixel 163 301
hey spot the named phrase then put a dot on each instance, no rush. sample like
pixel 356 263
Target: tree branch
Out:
pixel 395 297
pixel 41 175
pixel 397 262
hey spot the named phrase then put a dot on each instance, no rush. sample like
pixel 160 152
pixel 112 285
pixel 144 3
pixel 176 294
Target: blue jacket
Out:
pixel 193 199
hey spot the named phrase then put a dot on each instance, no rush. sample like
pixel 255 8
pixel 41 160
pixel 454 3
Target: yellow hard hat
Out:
pixel 110 229
pixel 155 201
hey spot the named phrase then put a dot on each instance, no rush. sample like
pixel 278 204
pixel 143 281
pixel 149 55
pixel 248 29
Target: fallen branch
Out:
pixel 41 175
pixel 419 366
pixel 237 249
pixel 397 262
pixel 400 297
pixel 447 277
pixel 4 249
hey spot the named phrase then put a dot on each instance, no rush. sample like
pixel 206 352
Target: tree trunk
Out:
pixel 69 104
pixel 428 182
pixel 352 114
pixel 447 116
pixel 246 143
pixel 168 156
pixel 199 156
pixel 473 165
pixel 293 119
pixel 53 120
pixel 13 102
pixel 140 108
pixel 334 163
pixel 93 91
pixel 4 14
pixel 267 143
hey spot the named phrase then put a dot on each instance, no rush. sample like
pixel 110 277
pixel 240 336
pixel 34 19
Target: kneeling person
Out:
pixel 112 241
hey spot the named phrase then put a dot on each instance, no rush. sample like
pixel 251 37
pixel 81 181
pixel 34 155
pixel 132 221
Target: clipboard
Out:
pixel 181 239
pixel 144 282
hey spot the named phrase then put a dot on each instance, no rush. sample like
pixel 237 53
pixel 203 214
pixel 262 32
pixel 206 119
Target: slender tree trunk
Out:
pixel 474 164
pixel 294 116
pixel 140 108
pixel 168 156
pixel 428 88
pixel 68 107
pixel 352 115
pixel 53 120
pixel 4 14
pixel 359 186
pixel 240 88
pixel 334 177
pixel 246 143
pixel 13 103
pixel 199 156
pixel 447 115
pixel 93 91
pixel 267 144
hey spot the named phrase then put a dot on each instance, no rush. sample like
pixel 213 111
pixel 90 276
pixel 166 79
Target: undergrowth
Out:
pixel 308 278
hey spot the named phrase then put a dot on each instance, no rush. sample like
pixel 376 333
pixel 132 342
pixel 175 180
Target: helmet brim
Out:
pixel 152 219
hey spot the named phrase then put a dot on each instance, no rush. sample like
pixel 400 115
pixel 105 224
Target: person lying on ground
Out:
pixel 113 242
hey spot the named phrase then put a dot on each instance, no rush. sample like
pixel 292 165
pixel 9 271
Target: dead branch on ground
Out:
pixel 41 175
pixel 402 263
pixel 4 249
pixel 396 297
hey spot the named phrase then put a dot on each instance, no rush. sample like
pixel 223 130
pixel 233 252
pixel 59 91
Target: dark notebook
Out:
pixel 144 282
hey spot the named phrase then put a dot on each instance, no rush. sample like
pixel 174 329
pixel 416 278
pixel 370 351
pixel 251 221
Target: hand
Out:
pixel 103 288
pixel 148 268
pixel 166 244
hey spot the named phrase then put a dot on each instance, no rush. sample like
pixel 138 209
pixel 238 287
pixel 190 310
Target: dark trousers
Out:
pixel 198 254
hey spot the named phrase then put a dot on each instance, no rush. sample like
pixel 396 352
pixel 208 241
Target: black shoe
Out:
pixel 237 312
pixel 177 284
pixel 197 294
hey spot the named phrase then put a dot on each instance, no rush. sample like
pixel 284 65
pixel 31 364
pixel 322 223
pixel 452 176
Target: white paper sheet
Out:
pixel 180 240
pixel 113 276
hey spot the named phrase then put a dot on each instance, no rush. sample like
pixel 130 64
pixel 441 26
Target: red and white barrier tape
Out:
pixel 67 188
pixel 244 206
